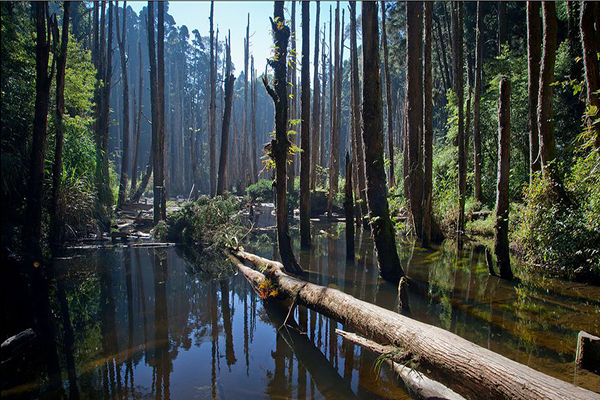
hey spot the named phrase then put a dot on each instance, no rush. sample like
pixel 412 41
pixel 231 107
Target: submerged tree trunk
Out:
pixel 477 161
pixel 468 369
pixel 56 234
pixel 388 96
pixel 590 38
pixel 501 226
pixel 427 129
pixel 305 157
pixel 280 145
pixel 414 94
pixel 122 40
pixel 534 42
pixel 372 133
pixel 229 81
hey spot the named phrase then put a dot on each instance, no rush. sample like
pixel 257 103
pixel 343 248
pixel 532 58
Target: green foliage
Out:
pixel 261 191
pixel 210 223
pixel 564 239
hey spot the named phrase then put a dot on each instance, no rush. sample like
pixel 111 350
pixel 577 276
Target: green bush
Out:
pixel 261 191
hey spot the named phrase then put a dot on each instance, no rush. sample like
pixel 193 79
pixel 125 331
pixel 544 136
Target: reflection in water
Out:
pixel 147 323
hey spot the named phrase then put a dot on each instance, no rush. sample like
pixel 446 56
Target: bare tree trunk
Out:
pixel 359 153
pixel 316 107
pixel 56 234
pixel 305 156
pixel 534 42
pixel 246 133
pixel 291 169
pixel 414 90
pixel 137 123
pixel 212 147
pixel 590 38
pixel 388 93
pixel 502 37
pixel 193 153
pixel 229 81
pixel 477 161
pixel 122 40
pixel 501 227
pixel 160 174
pixel 349 210
pixel 280 145
pixel 372 132
pixel 457 49
pixel 427 129
pixel 446 71
pixel 253 118
pixel 335 137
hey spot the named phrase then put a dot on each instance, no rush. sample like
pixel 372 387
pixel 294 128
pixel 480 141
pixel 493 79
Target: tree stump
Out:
pixel 588 352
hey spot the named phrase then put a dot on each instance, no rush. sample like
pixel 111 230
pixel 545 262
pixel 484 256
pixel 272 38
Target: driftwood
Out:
pixel 588 352
pixel 468 369
pixel 419 386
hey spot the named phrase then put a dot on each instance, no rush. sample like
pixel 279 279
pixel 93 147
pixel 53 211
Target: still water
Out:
pixel 163 323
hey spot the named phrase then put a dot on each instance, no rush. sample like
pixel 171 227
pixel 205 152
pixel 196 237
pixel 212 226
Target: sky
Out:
pixel 233 15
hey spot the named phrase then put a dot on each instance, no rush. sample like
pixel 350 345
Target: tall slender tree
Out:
pixel 293 101
pixel 590 38
pixel 137 122
pixel 502 36
pixel 534 44
pixel 212 112
pixel 427 128
pixel 122 41
pixel 388 94
pixel 477 160
pixel 280 145
pixel 335 137
pixel 316 107
pixel 305 130
pixel 414 94
pixel 349 210
pixel 229 81
pixel 372 133
pixel 57 167
pixel 502 202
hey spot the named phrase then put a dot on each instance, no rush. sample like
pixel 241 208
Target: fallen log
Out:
pixel 418 385
pixel 466 368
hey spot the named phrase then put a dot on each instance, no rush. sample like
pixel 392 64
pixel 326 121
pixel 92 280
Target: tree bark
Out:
pixel 590 38
pixel 335 137
pixel 212 147
pixel 466 368
pixel 534 42
pixel 388 94
pixel 316 107
pixel 56 234
pixel 372 133
pixel 229 82
pixel 280 145
pixel 477 160
pixel 427 129
pixel 305 156
pixel 356 115
pixel 502 192
pixel 457 50
pixel 414 89
pixel 291 169
pixel 122 40
pixel 137 124
pixel 349 210
pixel 159 167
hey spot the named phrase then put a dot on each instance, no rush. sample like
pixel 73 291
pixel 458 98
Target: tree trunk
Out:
pixel 446 71
pixel 280 145
pixel 56 234
pixel 388 94
pixel 160 163
pixel 122 40
pixel 305 156
pixel 502 37
pixel 229 81
pixel 534 42
pixel 501 226
pixel 414 93
pixel 477 161
pixel 590 38
pixel 468 369
pixel 427 129
pixel 372 133
pixel 193 153
pixel 212 147
pixel 457 50
pixel 316 107
pixel 349 210
pixel 355 85
pixel 137 124
pixel 291 169
pixel 253 118
pixel 334 145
